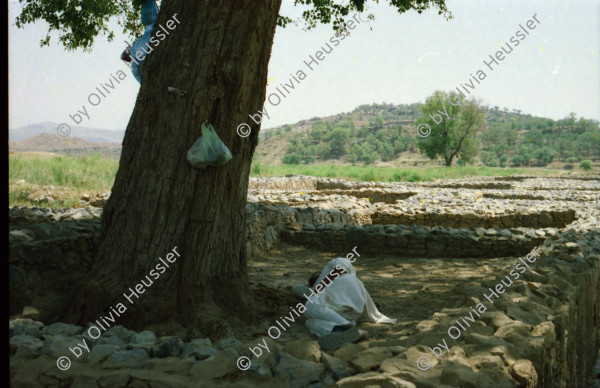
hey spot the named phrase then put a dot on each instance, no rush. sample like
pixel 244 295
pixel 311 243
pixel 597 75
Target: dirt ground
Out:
pixel 408 289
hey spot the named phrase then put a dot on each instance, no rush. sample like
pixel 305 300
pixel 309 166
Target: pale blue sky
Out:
pixel 402 59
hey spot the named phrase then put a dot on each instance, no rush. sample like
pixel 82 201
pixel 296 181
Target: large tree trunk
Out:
pixel 218 55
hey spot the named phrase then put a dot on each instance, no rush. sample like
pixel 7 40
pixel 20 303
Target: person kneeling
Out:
pixel 340 301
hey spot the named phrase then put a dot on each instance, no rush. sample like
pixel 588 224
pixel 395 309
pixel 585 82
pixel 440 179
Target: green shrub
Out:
pixel 308 158
pixel 414 177
pixel 572 159
pixel 291 159
pixel 586 165
pixel 544 156
pixel 400 176
pixel 516 160
pixel 502 161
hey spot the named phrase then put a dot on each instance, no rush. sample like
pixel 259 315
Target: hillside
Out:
pixel 96 135
pixel 69 146
pixel 385 135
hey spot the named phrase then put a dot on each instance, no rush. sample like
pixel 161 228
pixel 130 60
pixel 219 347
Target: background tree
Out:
pixel 379 122
pixel 310 154
pixel 571 119
pixel 544 155
pixel 323 151
pixel 317 133
pixel 158 201
pixel 338 139
pixel 291 159
pixel 456 134
pixel 469 150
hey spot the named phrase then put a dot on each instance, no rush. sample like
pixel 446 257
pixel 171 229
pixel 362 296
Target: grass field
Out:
pixel 66 179
pixel 90 172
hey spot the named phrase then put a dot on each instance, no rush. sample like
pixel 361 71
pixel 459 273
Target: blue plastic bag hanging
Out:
pixel 208 150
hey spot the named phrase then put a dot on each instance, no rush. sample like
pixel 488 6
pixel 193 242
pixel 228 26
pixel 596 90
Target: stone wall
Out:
pixel 51 245
pixel 475 185
pixel 580 315
pixel 69 243
pixel 543 331
pixel 514 196
pixel 263 225
pixel 542 219
pixel 339 184
pixel 382 196
pixel 419 241
pixel 385 196
pixel 48 250
pixel 47 268
pixel 523 177
pixel 572 197
pixel 563 340
pixel 517 178
pixel 581 188
pixel 292 183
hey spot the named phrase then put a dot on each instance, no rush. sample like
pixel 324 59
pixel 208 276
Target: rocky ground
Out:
pixel 516 342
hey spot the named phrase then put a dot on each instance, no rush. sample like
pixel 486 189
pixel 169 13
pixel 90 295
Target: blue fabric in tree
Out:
pixel 149 16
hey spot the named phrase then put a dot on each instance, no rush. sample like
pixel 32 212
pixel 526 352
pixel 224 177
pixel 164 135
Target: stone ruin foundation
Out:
pixel 544 333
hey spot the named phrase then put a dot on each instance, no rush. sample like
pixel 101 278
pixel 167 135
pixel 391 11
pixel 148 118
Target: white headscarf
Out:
pixel 370 311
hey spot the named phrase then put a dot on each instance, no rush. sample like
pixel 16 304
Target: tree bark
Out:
pixel 218 55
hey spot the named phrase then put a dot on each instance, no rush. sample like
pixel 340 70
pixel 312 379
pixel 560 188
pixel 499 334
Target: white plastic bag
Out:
pixel 208 150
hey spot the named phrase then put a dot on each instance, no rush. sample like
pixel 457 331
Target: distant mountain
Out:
pixel 65 145
pixel 95 135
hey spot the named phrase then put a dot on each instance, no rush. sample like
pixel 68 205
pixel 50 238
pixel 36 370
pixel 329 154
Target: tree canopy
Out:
pixel 80 22
pixel 455 123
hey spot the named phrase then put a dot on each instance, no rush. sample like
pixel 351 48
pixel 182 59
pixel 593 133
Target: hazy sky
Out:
pixel 394 59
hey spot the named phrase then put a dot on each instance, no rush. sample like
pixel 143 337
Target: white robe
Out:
pixel 345 301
